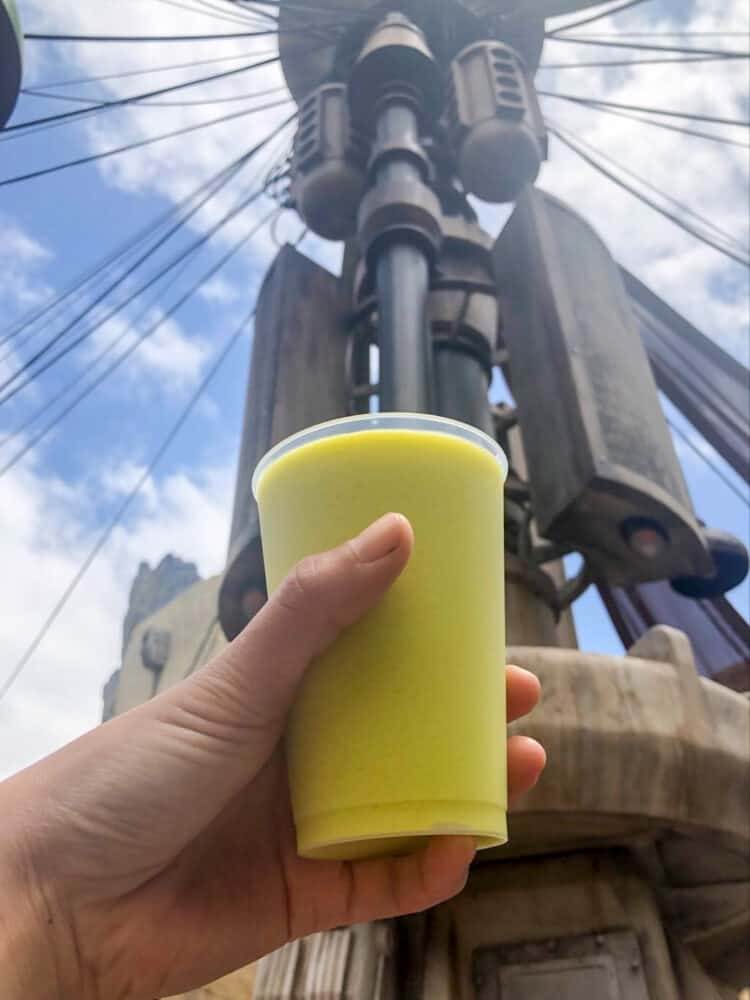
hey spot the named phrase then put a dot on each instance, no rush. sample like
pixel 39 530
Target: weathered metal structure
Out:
pixel 627 874
pixel 11 58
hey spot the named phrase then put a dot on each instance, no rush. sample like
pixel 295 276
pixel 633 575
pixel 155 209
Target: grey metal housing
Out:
pixel 598 447
pixel 11 59
pixel 494 121
pixel 297 378
pixel 329 164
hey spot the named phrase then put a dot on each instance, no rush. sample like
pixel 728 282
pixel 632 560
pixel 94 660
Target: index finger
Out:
pixel 523 692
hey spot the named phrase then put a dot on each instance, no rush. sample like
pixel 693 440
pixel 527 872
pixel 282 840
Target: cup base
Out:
pixel 397 828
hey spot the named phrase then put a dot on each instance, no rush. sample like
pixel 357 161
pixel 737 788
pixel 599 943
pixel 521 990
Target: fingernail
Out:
pixel 523 670
pixel 537 746
pixel 379 539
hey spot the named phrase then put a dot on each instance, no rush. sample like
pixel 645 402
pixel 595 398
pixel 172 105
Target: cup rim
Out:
pixel 381 421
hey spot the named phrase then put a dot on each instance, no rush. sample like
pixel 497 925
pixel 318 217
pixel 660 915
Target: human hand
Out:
pixel 157 853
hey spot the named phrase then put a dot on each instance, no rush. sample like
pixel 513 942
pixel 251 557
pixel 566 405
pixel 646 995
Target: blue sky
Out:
pixel 106 425
pixel 53 502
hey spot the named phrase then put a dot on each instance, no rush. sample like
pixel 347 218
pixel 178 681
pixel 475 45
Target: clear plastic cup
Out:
pixel 398 732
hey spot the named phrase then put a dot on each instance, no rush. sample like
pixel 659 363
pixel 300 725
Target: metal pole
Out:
pixel 461 389
pixel 402 281
pixel 395 91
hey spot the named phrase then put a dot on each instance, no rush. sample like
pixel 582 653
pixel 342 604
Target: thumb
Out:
pixel 250 687
pixel 157 776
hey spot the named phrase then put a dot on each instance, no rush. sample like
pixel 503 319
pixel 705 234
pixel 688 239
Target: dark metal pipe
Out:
pixel 462 389
pixel 405 355
pixel 402 283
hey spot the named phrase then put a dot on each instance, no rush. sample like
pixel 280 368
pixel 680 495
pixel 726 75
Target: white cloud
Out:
pixel 220 291
pixel 20 246
pixel 21 260
pixel 169 355
pixel 117 480
pixel 46 530
pixel 173 355
pixel 22 288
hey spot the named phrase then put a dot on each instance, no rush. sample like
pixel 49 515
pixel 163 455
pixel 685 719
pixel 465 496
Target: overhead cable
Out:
pixel 679 205
pixel 645 47
pixel 620 63
pixel 702 237
pixel 688 116
pixel 597 17
pixel 210 189
pixel 123 508
pixel 144 39
pixel 133 347
pixel 136 98
pixel 130 327
pixel 302 8
pixel 667 34
pixel 92 111
pixel 76 287
pixel 93 158
pixel 37 37
pixel 234 99
pixel 107 350
pixel 48 85
pixel 121 252
pixel 225 175
pixel 655 123
pixel 244 15
pixel 241 11
pixel 217 15
pixel 713 466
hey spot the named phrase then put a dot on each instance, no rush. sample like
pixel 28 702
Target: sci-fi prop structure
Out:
pixel 627 875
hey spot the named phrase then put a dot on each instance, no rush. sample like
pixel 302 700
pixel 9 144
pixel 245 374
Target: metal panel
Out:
pixel 296 379
pixel 604 966
pixel 709 386
pixel 572 980
pixel 598 448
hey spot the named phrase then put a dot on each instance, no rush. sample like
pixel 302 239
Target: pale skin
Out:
pixel 157 853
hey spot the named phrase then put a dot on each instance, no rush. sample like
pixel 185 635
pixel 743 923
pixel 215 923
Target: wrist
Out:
pixel 30 929
pixel 25 958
